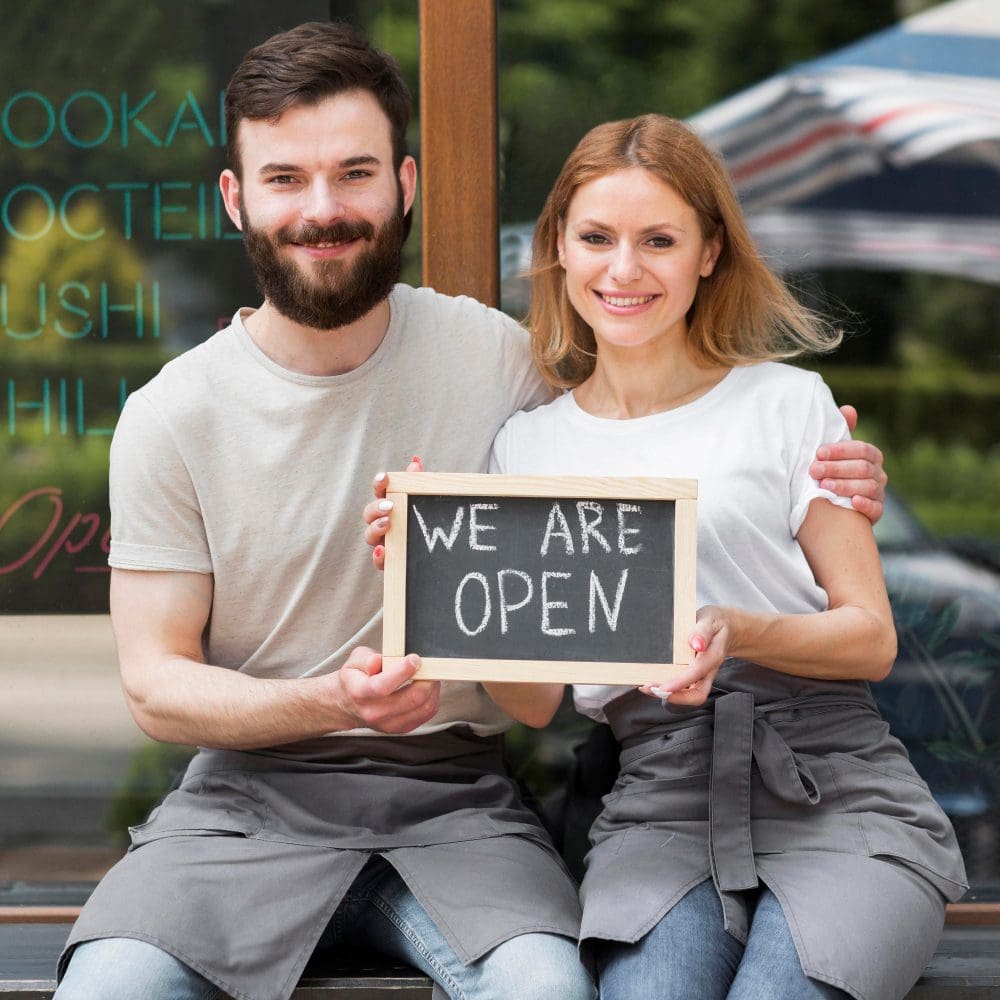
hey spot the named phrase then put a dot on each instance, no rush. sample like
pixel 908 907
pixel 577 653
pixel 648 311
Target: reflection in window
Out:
pixel 115 255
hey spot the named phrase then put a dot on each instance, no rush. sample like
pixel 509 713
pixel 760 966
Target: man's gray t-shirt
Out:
pixel 226 463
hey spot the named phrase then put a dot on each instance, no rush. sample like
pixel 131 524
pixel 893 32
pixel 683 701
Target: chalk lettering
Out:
pixel 588 526
pixel 487 606
pixel 475 526
pixel 623 509
pixel 563 532
pixel 505 605
pixel 492 577
pixel 438 534
pixel 597 594
pixel 547 627
pixel 509 602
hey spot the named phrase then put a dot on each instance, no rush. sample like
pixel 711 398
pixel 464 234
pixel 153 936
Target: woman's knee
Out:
pixel 771 965
pixel 686 954
pixel 567 983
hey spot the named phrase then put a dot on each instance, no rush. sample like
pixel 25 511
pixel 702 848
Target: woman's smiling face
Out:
pixel 633 253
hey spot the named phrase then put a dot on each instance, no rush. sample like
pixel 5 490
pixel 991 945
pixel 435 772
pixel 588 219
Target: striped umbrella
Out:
pixel 881 155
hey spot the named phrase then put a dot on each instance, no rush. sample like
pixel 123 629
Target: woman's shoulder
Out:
pixel 528 433
pixel 779 384
pixel 546 415
pixel 780 375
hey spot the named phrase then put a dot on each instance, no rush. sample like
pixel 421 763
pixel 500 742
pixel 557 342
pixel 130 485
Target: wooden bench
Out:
pixel 966 965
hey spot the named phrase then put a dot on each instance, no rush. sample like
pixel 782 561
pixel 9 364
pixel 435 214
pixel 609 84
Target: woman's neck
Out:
pixel 630 383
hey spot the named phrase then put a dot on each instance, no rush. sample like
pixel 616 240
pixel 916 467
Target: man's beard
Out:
pixel 333 293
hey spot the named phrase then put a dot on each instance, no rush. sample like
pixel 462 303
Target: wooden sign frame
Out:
pixel 402 485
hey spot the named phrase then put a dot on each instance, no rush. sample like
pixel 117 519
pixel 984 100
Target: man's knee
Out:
pixel 537 967
pixel 126 968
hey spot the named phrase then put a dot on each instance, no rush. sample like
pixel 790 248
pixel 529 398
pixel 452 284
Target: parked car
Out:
pixel 942 698
pixel 926 576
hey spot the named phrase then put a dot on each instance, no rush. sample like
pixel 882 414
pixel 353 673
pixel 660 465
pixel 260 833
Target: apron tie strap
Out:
pixel 730 848
pixel 782 772
pixel 741 736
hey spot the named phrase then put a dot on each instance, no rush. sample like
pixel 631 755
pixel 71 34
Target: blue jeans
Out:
pixel 378 912
pixel 689 955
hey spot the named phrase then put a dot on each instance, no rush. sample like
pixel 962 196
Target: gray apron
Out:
pixel 790 782
pixel 239 870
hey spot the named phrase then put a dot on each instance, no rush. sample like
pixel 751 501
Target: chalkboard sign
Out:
pixel 534 578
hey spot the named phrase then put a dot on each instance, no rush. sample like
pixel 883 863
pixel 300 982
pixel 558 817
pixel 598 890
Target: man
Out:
pixel 246 611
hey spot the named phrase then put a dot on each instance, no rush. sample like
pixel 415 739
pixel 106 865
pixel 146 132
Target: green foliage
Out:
pixel 392 26
pixel 909 320
pixel 949 321
pixel 566 65
pixel 949 405
pixel 151 774
pixel 964 680
pixel 952 488
pixel 71 267
pixel 952 751
pixel 132 41
pixel 80 462
pixel 939 428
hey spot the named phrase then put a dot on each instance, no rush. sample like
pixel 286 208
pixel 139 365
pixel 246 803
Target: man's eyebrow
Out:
pixel 278 168
pixel 362 160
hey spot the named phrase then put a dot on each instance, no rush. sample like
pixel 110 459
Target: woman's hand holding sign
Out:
pixel 376 514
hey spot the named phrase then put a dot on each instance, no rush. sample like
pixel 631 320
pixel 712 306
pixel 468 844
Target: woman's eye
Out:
pixel 661 242
pixel 595 239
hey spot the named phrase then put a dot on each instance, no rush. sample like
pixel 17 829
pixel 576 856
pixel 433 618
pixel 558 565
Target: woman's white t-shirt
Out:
pixel 749 442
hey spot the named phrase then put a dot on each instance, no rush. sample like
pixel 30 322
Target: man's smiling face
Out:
pixel 321 208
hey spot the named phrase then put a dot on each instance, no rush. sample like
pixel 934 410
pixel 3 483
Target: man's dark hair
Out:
pixel 304 66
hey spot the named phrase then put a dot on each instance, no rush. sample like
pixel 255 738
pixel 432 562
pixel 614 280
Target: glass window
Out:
pixel 115 255
pixel 920 361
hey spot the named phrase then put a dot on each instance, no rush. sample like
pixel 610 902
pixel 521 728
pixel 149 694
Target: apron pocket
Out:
pixel 214 804
pixel 929 850
pixel 659 802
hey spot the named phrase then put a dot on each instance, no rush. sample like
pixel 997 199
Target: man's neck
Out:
pixel 308 351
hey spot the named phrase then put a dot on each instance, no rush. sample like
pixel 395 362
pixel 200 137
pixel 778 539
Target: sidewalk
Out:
pixel 59 685
pixel 66 741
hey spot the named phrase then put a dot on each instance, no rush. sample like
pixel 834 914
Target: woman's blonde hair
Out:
pixel 741 313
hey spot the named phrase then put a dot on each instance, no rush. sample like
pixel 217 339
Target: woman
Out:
pixel 766 836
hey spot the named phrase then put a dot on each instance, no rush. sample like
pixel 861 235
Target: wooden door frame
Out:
pixel 459 149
